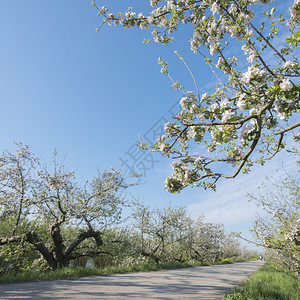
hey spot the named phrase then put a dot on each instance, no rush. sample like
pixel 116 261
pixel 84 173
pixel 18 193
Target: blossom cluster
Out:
pixel 295 12
pixel 293 235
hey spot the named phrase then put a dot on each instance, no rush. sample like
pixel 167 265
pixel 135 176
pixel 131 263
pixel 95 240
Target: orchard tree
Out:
pixel 208 241
pixel 16 257
pixel 170 234
pixel 279 229
pixel 252 51
pixel 30 193
pixel 160 231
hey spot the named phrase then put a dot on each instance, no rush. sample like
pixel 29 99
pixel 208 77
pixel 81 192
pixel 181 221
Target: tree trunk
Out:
pixel 60 256
pixel 34 240
pixel 58 245
pixel 80 238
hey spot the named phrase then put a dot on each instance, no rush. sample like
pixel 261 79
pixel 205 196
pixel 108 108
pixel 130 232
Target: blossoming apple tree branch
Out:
pixel 245 120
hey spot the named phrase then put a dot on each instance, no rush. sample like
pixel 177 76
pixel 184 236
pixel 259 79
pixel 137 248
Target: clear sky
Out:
pixel 89 95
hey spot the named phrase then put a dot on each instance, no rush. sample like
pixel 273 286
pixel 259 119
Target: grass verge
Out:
pixel 269 282
pixel 68 273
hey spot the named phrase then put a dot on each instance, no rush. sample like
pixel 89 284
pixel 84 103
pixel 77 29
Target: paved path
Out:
pixel 211 282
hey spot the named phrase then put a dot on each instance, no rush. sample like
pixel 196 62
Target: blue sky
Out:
pixel 89 95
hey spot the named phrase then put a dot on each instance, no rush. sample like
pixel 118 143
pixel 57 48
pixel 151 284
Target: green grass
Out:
pixel 269 282
pixel 67 273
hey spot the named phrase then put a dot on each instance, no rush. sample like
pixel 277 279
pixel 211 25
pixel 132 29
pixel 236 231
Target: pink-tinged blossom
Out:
pixel 167 126
pixel 241 104
pixel 213 107
pixel 295 12
pixel 288 64
pixel 183 102
pixel 233 8
pixel 200 117
pixel 246 49
pixel 225 103
pixel 130 14
pixel 286 85
pixel 227 115
pixel 237 151
pixel 193 108
pixel 278 108
pixel 253 122
pixel 204 96
pixel 231 30
pixel 212 48
pixel 160 141
pixel 249 32
pixel 252 71
pixel 180 115
pixel 245 131
pixel 153 2
pixel 162 147
pixel 198 160
pixel 215 8
pixel 174 164
pixel 219 62
pixel 288 237
pixel 103 9
pixel 251 57
pixel 291 235
pixel 192 133
pixel 295 230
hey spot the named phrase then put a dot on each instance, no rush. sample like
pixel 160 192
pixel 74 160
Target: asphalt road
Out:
pixel 211 282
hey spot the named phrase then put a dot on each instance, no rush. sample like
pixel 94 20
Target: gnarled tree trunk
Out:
pixel 61 255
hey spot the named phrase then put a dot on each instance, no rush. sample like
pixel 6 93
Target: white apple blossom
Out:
pixel 245 131
pixel 227 115
pixel 192 133
pixel 225 103
pixel 214 107
pixel 204 96
pixel 286 85
pixel 215 7
pixel 288 64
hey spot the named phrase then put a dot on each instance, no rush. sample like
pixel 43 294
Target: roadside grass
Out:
pixel 269 282
pixel 75 272
pixel 71 272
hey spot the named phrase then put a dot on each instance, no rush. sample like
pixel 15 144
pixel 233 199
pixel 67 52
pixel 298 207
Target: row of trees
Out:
pixel 48 220
pixel 170 234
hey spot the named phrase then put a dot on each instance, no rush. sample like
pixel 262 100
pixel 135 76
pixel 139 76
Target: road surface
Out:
pixel 211 282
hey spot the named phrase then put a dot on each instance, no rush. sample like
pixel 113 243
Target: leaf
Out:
pixel 272 11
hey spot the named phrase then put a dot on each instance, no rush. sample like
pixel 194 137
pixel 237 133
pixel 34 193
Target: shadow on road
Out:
pixel 210 282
